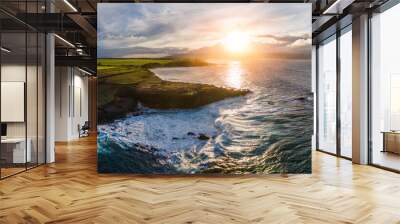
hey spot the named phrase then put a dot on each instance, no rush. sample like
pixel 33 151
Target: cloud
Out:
pixel 136 52
pixel 127 25
pixel 301 43
pixel 288 40
pixel 192 26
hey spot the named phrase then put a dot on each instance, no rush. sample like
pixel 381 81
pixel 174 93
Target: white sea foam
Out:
pixel 170 130
pixel 236 125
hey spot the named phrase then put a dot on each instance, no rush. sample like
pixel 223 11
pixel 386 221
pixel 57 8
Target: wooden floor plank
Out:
pixel 71 191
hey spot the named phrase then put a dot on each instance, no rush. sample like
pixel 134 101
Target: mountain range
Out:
pixel 218 51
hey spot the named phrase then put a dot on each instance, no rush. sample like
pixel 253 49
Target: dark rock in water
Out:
pixel 136 113
pixel 175 138
pixel 203 137
pixel 123 102
pixel 159 94
pixel 191 133
pixel 120 97
pixel 301 98
pixel 188 156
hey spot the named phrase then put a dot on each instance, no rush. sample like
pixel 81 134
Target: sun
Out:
pixel 236 42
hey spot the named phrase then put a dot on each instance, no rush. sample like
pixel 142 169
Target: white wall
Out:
pixel 13 101
pixel 83 82
pixel 71 102
pixel 14 73
pixel 33 126
pixel 62 81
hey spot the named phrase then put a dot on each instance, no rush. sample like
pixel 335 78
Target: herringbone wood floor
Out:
pixel 71 191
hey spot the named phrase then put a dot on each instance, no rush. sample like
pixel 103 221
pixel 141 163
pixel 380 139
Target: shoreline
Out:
pixel 138 84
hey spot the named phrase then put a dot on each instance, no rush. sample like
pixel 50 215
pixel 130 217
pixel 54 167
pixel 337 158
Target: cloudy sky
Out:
pixel 154 29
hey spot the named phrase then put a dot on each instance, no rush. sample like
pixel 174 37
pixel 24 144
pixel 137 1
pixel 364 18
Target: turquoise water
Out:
pixel 267 131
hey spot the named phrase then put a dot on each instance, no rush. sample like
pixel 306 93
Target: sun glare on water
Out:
pixel 236 42
pixel 235 72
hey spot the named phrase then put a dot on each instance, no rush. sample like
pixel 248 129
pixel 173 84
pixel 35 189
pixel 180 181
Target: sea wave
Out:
pixel 267 131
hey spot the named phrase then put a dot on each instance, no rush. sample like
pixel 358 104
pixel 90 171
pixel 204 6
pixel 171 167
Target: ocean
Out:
pixel 266 131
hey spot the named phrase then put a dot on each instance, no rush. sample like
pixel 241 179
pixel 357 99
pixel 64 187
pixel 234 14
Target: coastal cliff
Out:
pixel 127 82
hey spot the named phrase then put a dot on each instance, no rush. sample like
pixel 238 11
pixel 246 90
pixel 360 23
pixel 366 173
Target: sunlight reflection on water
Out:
pixel 263 132
pixel 234 76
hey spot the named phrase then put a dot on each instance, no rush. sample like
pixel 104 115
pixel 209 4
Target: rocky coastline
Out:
pixel 137 85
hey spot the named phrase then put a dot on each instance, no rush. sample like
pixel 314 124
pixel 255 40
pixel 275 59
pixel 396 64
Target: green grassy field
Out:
pixel 130 61
pixel 128 81
pixel 114 72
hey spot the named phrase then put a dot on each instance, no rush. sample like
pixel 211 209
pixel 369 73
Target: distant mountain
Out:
pixel 217 51
pixel 139 52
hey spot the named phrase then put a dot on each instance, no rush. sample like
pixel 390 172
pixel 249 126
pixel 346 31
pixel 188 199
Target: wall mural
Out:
pixel 204 88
